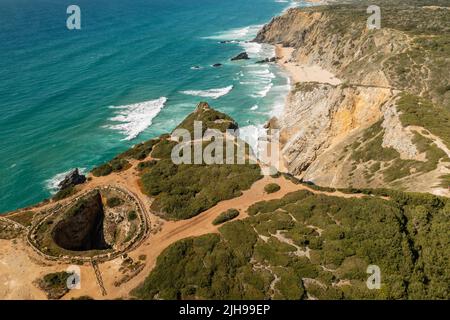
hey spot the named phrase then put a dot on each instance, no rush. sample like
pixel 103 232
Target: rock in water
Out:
pixel 267 60
pixel 241 56
pixel 216 65
pixel 72 179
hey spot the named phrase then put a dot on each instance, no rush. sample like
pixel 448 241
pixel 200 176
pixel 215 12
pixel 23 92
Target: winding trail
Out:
pixel 162 234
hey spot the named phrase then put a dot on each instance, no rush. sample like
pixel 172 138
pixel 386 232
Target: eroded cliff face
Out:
pixel 326 128
pixel 322 116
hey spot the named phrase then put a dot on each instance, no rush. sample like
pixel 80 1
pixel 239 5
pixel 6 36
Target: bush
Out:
pixel 25 218
pixel 54 284
pixel 139 151
pixel 115 165
pixel 272 188
pixel 132 215
pixel 65 193
pixel 114 202
pixel 102 170
pixel 146 165
pixel 228 215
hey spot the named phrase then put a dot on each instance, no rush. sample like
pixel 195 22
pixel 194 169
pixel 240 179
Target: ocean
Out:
pixel 76 98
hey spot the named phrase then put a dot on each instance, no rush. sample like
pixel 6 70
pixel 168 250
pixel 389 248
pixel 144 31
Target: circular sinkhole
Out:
pixel 101 223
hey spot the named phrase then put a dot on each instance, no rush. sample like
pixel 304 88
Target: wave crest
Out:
pixel 134 118
pixel 211 93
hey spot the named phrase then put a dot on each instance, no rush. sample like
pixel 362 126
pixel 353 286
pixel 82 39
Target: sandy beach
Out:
pixel 302 72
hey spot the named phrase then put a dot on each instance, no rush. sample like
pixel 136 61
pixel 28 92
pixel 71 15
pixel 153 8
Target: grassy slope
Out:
pixel 407 237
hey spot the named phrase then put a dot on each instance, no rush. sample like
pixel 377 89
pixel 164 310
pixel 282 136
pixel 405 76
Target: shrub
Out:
pixel 272 188
pixel 139 151
pixel 65 193
pixel 228 215
pixel 102 170
pixel 25 218
pixel 132 215
pixel 146 165
pixel 54 284
pixel 114 202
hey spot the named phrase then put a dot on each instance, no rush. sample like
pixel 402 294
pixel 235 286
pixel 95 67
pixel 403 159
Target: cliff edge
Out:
pixel 385 122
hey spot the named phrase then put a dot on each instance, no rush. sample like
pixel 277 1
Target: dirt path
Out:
pixel 21 266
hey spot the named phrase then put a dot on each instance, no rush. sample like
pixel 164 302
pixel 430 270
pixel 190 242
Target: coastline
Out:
pixel 298 72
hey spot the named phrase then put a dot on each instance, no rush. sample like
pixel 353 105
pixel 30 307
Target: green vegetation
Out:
pixel 146 165
pixel 419 65
pixel 115 165
pixel 25 218
pixel 306 86
pixel 272 188
pixel 114 202
pixel 54 284
pixel 139 151
pixel 9 231
pixel 65 193
pixel 120 163
pixel 369 149
pixel 183 191
pixel 445 181
pixel 416 111
pixel 132 215
pixel 163 149
pixel 228 215
pixel 327 239
pixel 210 118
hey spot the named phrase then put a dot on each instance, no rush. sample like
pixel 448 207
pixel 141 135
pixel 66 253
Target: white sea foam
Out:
pixel 237 34
pixel 255 107
pixel 134 118
pixel 281 92
pixel 263 92
pixel 52 184
pixel 211 93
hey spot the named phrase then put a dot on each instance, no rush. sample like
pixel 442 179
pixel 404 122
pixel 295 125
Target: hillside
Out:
pixel 314 246
pixel 386 124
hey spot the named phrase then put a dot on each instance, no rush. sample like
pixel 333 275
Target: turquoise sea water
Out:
pixel 77 98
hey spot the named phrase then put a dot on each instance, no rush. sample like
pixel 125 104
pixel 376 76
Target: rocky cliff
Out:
pixel 376 128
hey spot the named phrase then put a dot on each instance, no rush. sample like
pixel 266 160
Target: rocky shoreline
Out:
pixel 336 99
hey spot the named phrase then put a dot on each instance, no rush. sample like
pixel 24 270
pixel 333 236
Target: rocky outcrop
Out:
pixel 72 179
pixel 321 116
pixel 241 56
pixel 209 118
pixel 81 228
pixel 267 60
